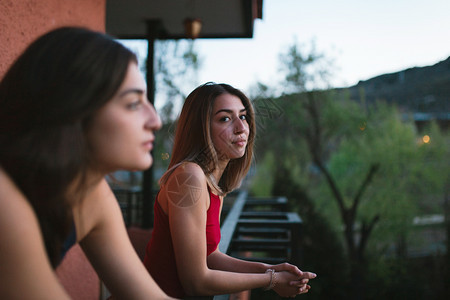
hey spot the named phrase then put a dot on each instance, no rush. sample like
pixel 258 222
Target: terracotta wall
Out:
pixel 21 21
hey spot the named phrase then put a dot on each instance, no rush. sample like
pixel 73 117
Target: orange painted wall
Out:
pixel 21 21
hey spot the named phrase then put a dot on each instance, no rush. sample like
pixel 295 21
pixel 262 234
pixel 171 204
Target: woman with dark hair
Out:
pixel 211 155
pixel 73 108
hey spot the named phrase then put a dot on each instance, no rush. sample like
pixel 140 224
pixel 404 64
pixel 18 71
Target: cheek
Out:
pixel 223 131
pixel 247 127
pixel 107 133
pixel 220 135
pixel 105 136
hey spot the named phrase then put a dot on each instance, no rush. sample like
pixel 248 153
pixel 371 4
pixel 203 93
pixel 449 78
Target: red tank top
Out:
pixel 160 257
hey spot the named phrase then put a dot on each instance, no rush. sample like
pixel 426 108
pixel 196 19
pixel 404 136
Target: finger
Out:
pixel 295 270
pixel 290 268
pixel 303 290
pixel 297 284
pixel 309 275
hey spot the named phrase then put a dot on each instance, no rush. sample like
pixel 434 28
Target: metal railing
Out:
pixel 261 229
pixel 255 229
pixel 130 202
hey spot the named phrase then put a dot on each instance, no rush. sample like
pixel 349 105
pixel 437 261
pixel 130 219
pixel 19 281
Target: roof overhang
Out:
pixel 133 19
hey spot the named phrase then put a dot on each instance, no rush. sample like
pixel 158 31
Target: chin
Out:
pixel 237 156
pixel 143 165
pixel 146 166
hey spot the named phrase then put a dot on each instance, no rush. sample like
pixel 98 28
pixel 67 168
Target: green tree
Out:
pixel 305 69
pixel 176 68
pixel 177 64
pixel 360 165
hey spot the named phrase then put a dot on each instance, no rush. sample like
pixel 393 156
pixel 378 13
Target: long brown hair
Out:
pixel 47 99
pixel 193 142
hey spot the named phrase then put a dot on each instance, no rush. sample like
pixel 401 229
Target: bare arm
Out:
pixel 25 271
pixel 186 199
pixel 110 251
pixel 220 261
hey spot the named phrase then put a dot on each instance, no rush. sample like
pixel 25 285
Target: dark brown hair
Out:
pixel 47 99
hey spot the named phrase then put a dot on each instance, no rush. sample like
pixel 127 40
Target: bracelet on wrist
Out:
pixel 272 279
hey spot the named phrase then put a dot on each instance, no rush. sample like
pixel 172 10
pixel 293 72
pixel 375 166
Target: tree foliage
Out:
pixel 176 68
pixel 304 70
pixel 363 167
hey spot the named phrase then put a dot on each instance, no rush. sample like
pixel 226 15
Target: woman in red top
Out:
pixel 211 155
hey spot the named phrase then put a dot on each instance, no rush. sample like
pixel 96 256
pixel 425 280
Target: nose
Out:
pixel 239 126
pixel 153 120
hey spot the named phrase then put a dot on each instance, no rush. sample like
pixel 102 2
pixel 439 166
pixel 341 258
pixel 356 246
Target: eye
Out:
pixel 134 105
pixel 225 119
pixel 243 117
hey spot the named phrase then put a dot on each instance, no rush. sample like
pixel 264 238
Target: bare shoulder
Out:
pixel 186 185
pixel 11 198
pixel 6 183
pixel 192 168
pixel 19 227
pixel 23 256
pixel 16 213
pixel 187 174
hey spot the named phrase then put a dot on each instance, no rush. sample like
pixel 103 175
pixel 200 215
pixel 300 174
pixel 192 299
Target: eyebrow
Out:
pixel 229 111
pixel 131 91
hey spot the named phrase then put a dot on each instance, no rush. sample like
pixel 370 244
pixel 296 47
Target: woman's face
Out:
pixel 122 132
pixel 229 127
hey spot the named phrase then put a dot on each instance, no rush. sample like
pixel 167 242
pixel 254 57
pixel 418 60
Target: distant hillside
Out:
pixel 419 89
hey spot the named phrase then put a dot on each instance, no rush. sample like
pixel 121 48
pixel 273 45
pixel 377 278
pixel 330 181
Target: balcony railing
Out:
pixel 254 229
pixel 261 229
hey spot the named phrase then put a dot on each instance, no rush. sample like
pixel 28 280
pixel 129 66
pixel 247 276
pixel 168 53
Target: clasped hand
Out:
pixel 290 280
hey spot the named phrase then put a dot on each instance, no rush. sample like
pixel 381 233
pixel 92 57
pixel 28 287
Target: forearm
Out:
pixel 110 252
pixel 220 261
pixel 294 281
pixel 214 282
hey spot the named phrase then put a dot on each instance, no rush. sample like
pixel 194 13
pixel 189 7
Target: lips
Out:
pixel 148 144
pixel 240 142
